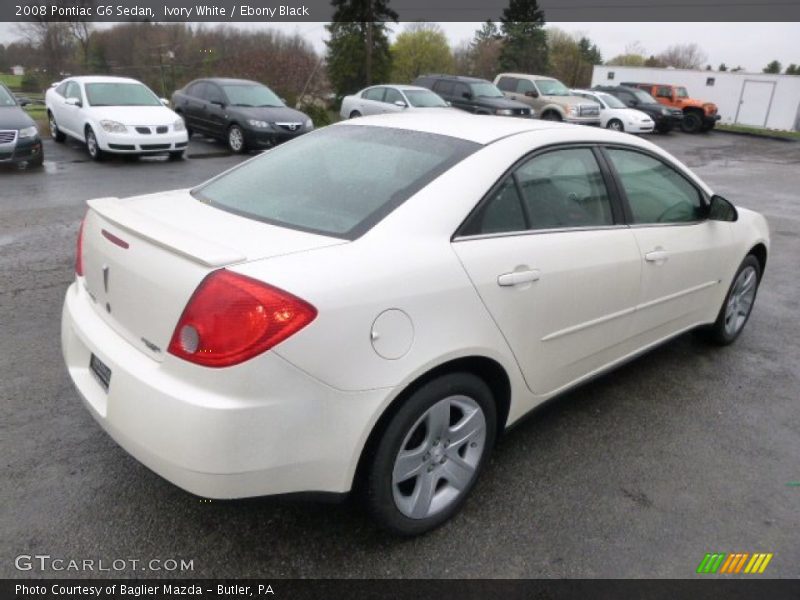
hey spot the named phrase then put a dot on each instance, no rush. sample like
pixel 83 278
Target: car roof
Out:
pixel 228 81
pixel 480 129
pixel 100 79
pixel 463 78
pixel 526 75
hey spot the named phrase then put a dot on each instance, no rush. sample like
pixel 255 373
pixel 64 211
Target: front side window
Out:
pixel 392 96
pixel 251 95
pixel 338 181
pixel 664 92
pixel 73 90
pixel 460 90
pixel 214 94
pixel 555 190
pixel 644 97
pixel 552 87
pixel 120 94
pixel 609 100
pixel 656 192
pixel 681 92
pixel 524 86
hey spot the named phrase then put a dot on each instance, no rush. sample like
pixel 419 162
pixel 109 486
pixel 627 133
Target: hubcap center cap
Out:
pixel 437 454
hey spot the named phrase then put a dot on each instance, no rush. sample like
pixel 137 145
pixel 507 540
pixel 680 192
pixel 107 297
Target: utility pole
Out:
pixel 368 58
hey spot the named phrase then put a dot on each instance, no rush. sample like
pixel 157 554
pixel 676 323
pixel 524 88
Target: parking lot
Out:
pixel 687 450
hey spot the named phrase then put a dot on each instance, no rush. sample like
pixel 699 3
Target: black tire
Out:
pixel 616 125
pixel 719 333
pixel 707 127
pixel 176 155
pixel 55 133
pixel 691 123
pixel 36 162
pixel 551 115
pixel 379 489
pixel 355 114
pixel 236 140
pixel 92 147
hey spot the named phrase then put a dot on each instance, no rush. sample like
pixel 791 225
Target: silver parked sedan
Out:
pixel 380 99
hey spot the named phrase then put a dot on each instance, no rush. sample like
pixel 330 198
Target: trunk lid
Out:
pixel 143 258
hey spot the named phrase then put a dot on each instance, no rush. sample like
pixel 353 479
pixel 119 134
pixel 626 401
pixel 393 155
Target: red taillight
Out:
pixel 79 251
pixel 231 318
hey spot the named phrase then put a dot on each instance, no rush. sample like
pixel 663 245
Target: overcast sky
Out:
pixel 751 45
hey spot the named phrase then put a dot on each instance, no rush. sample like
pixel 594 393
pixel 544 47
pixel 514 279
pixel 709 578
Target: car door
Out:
pixel 390 97
pixel 215 116
pixel 71 110
pixel 555 265
pixel 683 253
pixel 192 106
pixel 462 97
pixel 373 101
pixel 444 88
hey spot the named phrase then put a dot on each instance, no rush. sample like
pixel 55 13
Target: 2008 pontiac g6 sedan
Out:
pixel 369 306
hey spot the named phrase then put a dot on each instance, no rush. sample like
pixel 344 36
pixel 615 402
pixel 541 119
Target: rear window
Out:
pixel 338 181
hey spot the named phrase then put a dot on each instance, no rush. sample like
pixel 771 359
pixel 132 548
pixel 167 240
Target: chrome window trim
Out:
pixel 504 234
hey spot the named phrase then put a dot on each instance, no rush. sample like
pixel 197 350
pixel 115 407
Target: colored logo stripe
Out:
pixel 734 563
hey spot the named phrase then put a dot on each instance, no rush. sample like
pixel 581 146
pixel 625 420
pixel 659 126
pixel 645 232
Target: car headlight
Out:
pixel 28 132
pixel 179 125
pixel 113 126
pixel 257 123
pixel 309 124
pixel 505 112
pixel 664 111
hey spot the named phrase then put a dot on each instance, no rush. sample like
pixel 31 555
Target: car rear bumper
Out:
pixel 263 427
pixel 25 150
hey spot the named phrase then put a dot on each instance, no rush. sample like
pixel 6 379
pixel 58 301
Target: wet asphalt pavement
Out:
pixel 689 449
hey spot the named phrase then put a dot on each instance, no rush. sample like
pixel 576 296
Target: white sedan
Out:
pixel 614 114
pixel 381 99
pixel 114 115
pixel 370 305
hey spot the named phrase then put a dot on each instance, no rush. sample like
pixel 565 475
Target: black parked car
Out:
pixel 665 117
pixel 19 136
pixel 245 114
pixel 474 95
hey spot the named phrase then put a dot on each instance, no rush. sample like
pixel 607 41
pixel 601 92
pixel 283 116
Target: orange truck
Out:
pixel 697 115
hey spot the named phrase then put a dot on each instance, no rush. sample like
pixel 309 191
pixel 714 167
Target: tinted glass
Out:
pixel 6 99
pixel 196 89
pixel 486 90
pixel 445 88
pixel 338 181
pixel 120 94
pixel 374 94
pixel 525 85
pixel 656 192
pixel 564 188
pixel 213 93
pixel 62 89
pixel 552 87
pixel 424 98
pixel 610 101
pixel 251 95
pixel 507 84
pixel 73 90
pixel 459 89
pixel 643 97
pixel 392 96
pixel 502 213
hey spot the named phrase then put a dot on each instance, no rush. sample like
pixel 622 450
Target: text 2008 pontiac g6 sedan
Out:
pixel 370 305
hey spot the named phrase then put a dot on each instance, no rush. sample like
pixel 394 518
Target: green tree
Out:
pixel 631 60
pixel 722 67
pixel 525 41
pixel 571 57
pixel 484 51
pixel 358 49
pixel 421 48
pixel 590 52
pixel 792 69
pixel 773 67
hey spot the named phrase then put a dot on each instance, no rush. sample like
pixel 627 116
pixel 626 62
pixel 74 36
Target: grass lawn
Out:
pixel 39 114
pixel 776 133
pixel 12 81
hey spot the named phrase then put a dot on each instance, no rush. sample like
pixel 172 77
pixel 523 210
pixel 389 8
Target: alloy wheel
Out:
pixel 236 139
pixel 439 457
pixel 740 301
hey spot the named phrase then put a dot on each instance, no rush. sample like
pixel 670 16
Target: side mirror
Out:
pixel 721 209
pixel 164 101
pixel 219 103
pixel 400 103
pixel 73 102
pixel 532 94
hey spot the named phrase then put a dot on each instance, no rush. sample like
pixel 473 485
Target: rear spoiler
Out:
pixel 166 235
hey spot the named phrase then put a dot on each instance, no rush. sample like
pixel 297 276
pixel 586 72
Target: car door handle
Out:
pixel 656 256
pixel 518 277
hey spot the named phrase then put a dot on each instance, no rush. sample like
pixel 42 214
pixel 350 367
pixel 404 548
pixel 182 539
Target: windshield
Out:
pixel 251 95
pixel 338 181
pixel 611 101
pixel 682 93
pixel 644 97
pixel 120 94
pixel 424 98
pixel 552 87
pixel 6 99
pixel 485 90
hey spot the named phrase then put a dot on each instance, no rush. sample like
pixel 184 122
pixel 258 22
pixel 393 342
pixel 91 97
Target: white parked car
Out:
pixel 381 99
pixel 614 114
pixel 114 115
pixel 376 301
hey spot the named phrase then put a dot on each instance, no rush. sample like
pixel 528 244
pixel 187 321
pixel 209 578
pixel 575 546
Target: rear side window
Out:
pixel 374 94
pixel 656 193
pixel 507 84
pixel 338 181
pixel 196 89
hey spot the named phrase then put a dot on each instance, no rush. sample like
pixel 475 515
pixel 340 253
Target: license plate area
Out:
pixel 100 371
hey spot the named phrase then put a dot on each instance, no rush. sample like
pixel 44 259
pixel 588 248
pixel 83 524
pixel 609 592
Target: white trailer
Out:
pixel 753 99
